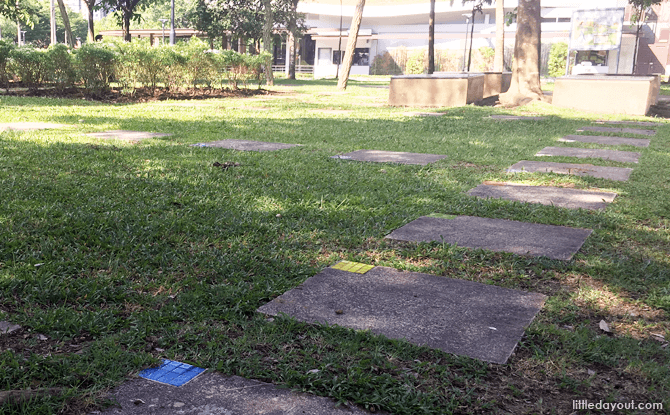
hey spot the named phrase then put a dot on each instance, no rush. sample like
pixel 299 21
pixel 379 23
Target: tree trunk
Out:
pixel 126 26
pixel 525 85
pixel 224 41
pixel 267 40
pixel 637 38
pixel 351 46
pixel 91 36
pixel 292 39
pixel 499 58
pixel 472 31
pixel 66 22
pixel 431 38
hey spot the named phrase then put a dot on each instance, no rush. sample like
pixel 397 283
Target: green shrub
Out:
pixel 30 65
pixel 199 65
pixel 60 70
pixel 5 50
pixel 95 64
pixel 485 59
pixel 557 57
pixel 415 63
pixel 385 65
pixel 174 63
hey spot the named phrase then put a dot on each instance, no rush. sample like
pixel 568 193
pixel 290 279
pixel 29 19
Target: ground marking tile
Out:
pixel 546 195
pixel 607 140
pixel 172 373
pixel 614 155
pixel 356 267
pixel 245 145
pixel 424 114
pixel 517 117
pixel 499 235
pixel 28 125
pixel 126 135
pixel 640 123
pixel 456 316
pixel 621 174
pixel 618 130
pixel 380 156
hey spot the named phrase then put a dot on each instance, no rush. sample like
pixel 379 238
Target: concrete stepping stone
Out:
pixel 424 114
pixel 28 126
pixel 545 195
pixel 614 155
pixel 605 139
pixel 391 157
pixel 6 327
pixel 621 174
pixel 331 112
pixel 214 394
pixel 462 317
pixel 246 145
pixel 126 135
pixel 517 118
pixel 639 123
pixel 639 131
pixel 522 238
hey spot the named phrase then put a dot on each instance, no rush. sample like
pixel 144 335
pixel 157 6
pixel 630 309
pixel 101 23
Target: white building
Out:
pixel 404 27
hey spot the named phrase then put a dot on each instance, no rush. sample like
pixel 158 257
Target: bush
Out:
pixel 60 67
pixel 30 65
pixel 174 63
pixel 5 50
pixel 415 63
pixel 557 57
pixel 486 55
pixel 385 65
pixel 95 64
pixel 199 67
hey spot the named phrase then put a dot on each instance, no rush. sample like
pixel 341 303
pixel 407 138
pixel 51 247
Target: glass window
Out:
pixel 324 56
pixel 336 56
pixel 361 57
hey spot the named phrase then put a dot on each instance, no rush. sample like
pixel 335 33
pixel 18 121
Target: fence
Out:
pixel 298 68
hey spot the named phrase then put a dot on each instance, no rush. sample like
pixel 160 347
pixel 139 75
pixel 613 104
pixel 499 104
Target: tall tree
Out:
pixel 499 57
pixel 90 6
pixel 292 38
pixel 431 38
pixel 13 10
pixel 126 11
pixel 638 17
pixel 267 39
pixel 477 7
pixel 525 85
pixel 66 22
pixel 351 46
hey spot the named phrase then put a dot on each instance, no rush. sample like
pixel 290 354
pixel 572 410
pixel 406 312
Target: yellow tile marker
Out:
pixel 356 267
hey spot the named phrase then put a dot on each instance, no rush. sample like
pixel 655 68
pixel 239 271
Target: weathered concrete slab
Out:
pixel 126 135
pixel 545 195
pixel 640 123
pixel 517 117
pixel 614 155
pixel 391 157
pixel 461 317
pixel 27 126
pixel 423 114
pixel 638 131
pixel 215 394
pixel 612 173
pixel 605 139
pixel 522 238
pixel 246 145
pixel 331 112
pixel 6 327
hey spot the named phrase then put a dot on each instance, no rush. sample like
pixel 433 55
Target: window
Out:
pixel 596 57
pixel 324 56
pixel 336 57
pixel 361 57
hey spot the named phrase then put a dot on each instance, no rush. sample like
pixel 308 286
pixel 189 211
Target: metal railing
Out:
pixel 298 68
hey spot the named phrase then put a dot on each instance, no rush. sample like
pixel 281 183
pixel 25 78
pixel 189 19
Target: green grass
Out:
pixel 147 245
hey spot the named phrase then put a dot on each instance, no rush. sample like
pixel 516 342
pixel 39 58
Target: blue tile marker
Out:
pixel 172 373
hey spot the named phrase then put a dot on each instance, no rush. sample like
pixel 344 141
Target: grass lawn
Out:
pixel 118 254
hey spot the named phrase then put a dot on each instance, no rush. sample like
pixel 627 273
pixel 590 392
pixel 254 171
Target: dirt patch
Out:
pixel 144 94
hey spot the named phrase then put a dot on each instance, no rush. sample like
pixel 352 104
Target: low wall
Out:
pixel 495 83
pixel 611 94
pixel 437 90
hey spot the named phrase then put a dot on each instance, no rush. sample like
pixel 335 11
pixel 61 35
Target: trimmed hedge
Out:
pixel 130 65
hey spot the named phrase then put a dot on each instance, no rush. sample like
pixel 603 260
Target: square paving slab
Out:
pixel 522 238
pixel 391 157
pixel 612 173
pixel 545 195
pixel 215 394
pixel 639 123
pixel 27 126
pixel 614 155
pixel 517 118
pixel 639 131
pixel 456 316
pixel 607 140
pixel 126 135
pixel 424 114
pixel 246 145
